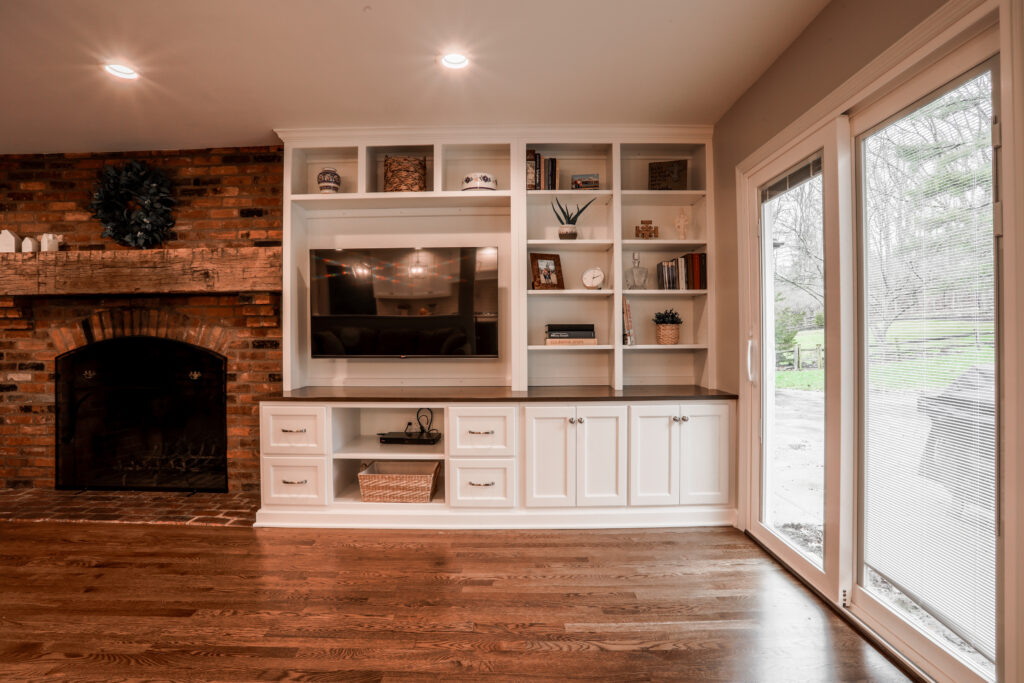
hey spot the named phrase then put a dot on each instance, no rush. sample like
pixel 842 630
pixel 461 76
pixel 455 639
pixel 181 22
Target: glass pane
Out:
pixel 793 291
pixel 929 396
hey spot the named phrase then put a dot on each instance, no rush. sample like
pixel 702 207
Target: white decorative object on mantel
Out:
pixel 30 245
pixel 9 242
pixel 51 242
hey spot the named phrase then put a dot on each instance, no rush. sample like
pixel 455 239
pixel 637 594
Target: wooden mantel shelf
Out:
pixel 156 271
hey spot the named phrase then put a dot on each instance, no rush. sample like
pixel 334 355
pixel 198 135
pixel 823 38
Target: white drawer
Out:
pixel 482 431
pixel 293 430
pixel 293 481
pixel 482 482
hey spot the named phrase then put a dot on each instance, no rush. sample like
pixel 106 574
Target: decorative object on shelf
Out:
pixel 585 181
pixel 399 481
pixel 668 323
pixel 567 219
pixel 481 180
pixel 682 223
pixel 405 174
pixel 646 230
pixel 9 242
pixel 134 203
pixel 328 180
pixel 628 337
pixel 547 271
pixel 593 278
pixel 637 274
pixel 29 245
pixel 50 242
pixel 666 175
pixel 570 334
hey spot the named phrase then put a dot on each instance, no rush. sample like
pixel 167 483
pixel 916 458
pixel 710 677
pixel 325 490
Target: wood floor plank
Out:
pixel 96 602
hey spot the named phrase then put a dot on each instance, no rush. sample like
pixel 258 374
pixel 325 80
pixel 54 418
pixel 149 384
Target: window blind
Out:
pixel 928 518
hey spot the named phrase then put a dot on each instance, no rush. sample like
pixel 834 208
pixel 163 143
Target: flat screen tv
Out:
pixel 434 302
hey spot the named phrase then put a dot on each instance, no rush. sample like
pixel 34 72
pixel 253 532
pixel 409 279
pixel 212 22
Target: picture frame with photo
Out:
pixel 547 271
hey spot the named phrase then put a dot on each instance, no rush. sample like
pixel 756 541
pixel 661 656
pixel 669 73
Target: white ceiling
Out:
pixel 226 72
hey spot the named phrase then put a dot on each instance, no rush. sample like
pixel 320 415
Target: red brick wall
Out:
pixel 226 197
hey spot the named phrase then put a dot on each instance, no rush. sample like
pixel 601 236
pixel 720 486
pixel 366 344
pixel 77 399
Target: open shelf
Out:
pixel 370 448
pixel 570 292
pixel 663 245
pixel 662 197
pixel 665 292
pixel 569 245
pixel 570 347
pixel 666 347
pixel 403 200
pixel 350 494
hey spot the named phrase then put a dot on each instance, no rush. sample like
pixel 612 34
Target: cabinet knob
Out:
pixel 684 418
pixel 572 420
pixel 675 418
pixel 580 420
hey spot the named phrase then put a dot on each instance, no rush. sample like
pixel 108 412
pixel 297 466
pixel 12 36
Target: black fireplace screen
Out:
pixel 141 413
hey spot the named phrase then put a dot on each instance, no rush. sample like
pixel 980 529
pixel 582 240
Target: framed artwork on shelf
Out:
pixel 547 271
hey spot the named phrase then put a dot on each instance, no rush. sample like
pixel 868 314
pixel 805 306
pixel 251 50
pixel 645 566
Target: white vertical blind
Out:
pixel 928 526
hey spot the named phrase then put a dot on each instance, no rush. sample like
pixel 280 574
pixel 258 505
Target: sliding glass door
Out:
pixel 927 513
pixel 793 354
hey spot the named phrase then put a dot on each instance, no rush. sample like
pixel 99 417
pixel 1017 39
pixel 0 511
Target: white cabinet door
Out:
pixel 550 456
pixel 654 455
pixel 601 460
pixel 704 454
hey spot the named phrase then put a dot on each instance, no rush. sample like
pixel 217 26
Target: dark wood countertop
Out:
pixel 449 394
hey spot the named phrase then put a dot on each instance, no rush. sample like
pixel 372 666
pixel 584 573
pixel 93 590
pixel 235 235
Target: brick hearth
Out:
pixel 227 198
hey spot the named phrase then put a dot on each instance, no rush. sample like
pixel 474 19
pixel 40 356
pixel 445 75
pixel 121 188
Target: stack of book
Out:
pixel 689 271
pixel 541 173
pixel 570 334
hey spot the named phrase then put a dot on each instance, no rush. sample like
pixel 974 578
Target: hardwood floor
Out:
pixel 100 602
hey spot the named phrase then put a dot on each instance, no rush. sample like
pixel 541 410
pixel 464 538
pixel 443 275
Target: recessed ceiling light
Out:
pixel 121 71
pixel 454 60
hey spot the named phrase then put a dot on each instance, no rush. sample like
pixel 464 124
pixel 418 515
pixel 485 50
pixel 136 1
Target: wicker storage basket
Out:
pixel 399 481
pixel 667 334
pixel 405 174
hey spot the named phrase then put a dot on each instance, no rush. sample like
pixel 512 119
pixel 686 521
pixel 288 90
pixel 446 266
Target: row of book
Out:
pixel 570 334
pixel 689 271
pixel 541 172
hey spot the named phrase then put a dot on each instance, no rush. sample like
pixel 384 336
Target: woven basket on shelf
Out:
pixel 399 481
pixel 405 174
pixel 667 334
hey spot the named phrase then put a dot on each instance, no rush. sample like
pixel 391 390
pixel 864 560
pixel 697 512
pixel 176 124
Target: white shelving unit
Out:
pixel 518 222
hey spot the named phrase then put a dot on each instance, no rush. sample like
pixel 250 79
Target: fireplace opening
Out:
pixel 141 413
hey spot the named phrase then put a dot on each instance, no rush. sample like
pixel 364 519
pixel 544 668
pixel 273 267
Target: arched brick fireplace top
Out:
pixel 110 323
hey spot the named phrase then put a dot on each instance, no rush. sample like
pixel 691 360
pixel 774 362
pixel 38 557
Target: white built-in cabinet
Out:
pixel 575 455
pixel 679 454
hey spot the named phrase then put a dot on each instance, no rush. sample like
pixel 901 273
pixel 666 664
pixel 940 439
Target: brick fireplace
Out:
pixel 216 287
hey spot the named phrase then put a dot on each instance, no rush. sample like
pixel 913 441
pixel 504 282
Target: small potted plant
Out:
pixel 567 219
pixel 668 323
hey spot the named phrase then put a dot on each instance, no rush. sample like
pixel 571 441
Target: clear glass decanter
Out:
pixel 637 274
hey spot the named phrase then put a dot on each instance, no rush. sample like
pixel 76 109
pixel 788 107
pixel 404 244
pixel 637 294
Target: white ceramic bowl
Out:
pixel 480 180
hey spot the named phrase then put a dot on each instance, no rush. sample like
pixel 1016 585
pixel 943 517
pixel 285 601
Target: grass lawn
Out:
pixel 926 358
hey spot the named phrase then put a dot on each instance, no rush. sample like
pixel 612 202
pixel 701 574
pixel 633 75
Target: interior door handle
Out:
pixel 750 360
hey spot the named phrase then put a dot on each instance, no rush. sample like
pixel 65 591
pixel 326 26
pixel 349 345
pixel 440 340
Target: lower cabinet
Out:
pixel 679 454
pixel 575 456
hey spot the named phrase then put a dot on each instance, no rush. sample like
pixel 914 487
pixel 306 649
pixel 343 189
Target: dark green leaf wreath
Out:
pixel 134 205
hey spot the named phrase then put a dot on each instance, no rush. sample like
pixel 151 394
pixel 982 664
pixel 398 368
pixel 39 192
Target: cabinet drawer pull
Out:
pixel 293 431
pixel 489 483
pixel 298 483
pixel 489 431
